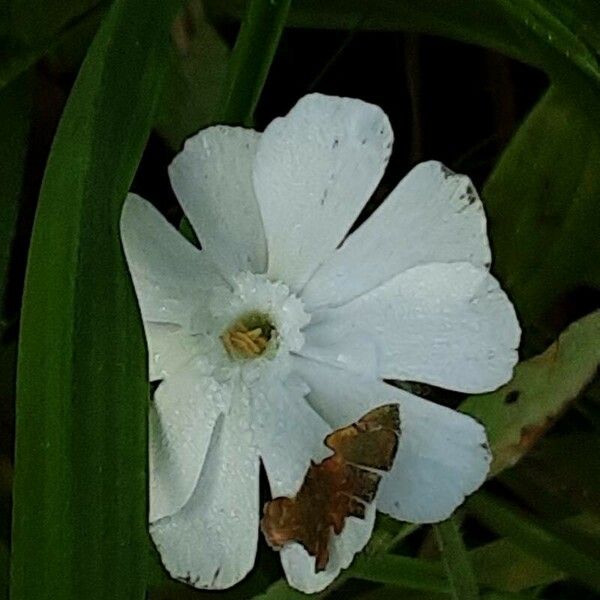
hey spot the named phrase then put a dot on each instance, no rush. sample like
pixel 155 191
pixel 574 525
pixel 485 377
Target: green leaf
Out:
pixel 535 538
pixel 456 560
pixel 518 414
pixel 567 38
pixel 80 522
pixel 251 59
pixel 195 78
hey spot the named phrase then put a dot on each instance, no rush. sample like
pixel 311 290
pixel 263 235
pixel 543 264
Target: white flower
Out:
pixel 274 334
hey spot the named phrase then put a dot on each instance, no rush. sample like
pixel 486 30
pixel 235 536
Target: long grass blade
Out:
pixel 79 522
pixel 456 560
pixel 534 538
pixel 251 60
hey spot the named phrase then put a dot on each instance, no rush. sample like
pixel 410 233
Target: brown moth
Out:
pixel 338 487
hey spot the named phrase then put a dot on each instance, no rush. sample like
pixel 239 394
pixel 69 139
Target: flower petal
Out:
pixel 168 272
pixel 314 171
pixel 182 418
pixel 433 215
pixel 212 178
pixel 299 566
pixel 170 348
pixel 291 434
pixel 211 542
pixel 446 324
pixel 442 454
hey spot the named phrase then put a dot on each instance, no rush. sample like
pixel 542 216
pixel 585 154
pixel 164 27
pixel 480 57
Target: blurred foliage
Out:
pixel 33 21
pixel 196 76
pixel 504 566
pixel 536 531
pixel 560 478
pixel 544 238
pixel 4 567
pixel 537 538
pixel 15 117
pixel 23 43
pixel 561 37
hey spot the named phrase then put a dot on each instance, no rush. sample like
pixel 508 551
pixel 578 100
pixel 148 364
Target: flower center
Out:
pixel 249 327
pixel 249 336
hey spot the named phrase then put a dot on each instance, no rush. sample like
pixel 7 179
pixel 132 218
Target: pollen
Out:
pixel 248 337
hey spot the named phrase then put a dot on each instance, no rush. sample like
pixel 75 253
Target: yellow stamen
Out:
pixel 240 342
